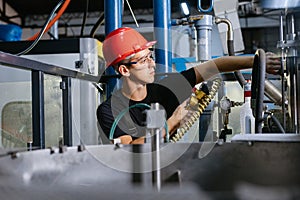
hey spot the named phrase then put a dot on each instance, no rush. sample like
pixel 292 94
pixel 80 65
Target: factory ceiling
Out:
pixel 30 12
pixel 33 14
pixel 28 7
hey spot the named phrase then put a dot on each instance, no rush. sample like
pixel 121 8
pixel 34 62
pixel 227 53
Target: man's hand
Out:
pixel 180 112
pixel 273 63
pixel 177 117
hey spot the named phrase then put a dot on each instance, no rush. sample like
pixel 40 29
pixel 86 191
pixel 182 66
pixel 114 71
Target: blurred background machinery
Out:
pixel 54 106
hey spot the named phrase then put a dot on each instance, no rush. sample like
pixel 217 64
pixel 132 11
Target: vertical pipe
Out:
pixel 281 33
pixel 283 84
pixel 54 31
pixel 38 109
pixel 113 20
pixel 112 15
pixel 162 24
pixel 292 73
pixel 156 175
pixel 137 178
pixel 155 148
pixel 67 110
pixel 291 27
pixel 204 28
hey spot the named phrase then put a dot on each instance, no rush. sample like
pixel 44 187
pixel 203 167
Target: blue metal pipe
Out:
pixel 162 24
pixel 113 20
pixel 112 15
pixel 205 6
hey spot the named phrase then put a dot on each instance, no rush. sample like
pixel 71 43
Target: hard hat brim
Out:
pixel 119 59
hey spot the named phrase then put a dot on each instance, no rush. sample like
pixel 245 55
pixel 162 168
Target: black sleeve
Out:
pixel 190 76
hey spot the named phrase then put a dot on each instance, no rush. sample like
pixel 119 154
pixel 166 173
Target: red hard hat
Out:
pixel 123 42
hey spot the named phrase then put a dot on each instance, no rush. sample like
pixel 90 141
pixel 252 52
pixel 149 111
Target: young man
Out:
pixel 130 54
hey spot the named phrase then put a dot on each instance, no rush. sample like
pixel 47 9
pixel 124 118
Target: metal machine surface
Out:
pixel 280 4
pixel 204 170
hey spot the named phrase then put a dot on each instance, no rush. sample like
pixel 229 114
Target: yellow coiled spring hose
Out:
pixel 203 101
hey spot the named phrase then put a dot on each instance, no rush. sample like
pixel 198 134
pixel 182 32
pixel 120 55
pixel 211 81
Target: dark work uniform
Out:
pixel 168 92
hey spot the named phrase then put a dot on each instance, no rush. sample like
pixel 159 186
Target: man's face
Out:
pixel 142 67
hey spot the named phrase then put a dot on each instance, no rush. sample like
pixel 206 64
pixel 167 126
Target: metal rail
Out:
pixel 38 69
pixel 27 64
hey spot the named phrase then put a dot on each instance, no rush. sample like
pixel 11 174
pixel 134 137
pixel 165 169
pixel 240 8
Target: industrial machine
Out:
pixel 223 163
pixel 274 100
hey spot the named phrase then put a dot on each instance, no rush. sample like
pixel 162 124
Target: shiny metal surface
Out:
pixel 204 28
pixel 273 93
pixel 27 64
pixel 288 137
pixel 280 4
pixel 189 171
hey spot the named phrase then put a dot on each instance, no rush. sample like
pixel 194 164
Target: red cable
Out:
pixel 58 15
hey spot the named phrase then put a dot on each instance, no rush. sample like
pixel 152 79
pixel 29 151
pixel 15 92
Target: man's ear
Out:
pixel 123 70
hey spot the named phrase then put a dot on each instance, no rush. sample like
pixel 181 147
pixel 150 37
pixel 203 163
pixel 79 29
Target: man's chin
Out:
pixel 151 80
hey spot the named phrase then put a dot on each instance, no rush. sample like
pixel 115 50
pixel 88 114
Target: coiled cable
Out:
pixel 202 104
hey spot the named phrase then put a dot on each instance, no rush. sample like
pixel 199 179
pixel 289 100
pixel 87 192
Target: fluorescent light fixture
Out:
pixel 185 8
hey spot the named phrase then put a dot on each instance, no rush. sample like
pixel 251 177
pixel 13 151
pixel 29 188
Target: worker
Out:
pixel 131 55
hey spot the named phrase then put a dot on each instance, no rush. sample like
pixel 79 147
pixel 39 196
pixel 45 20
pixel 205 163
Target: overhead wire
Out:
pixel 58 15
pixel 42 31
pixel 84 17
pixel 99 22
pixel 133 16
